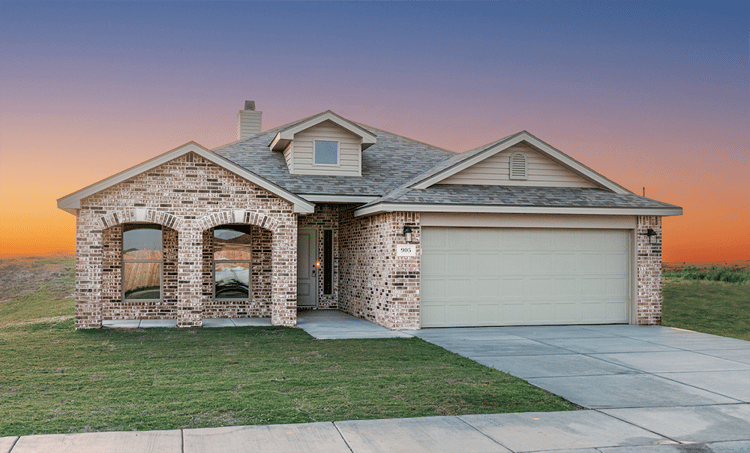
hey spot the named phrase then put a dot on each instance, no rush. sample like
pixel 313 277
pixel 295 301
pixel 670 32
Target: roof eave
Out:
pixel 379 208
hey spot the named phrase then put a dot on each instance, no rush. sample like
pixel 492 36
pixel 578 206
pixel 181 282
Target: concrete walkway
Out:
pixel 648 389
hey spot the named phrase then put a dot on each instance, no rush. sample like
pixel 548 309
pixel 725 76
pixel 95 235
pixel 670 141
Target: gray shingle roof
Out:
pixel 482 195
pixel 385 165
pixel 394 164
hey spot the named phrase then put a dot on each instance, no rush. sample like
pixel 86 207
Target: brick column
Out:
pixel 649 270
pixel 189 278
pixel 284 279
pixel 405 275
pixel 88 274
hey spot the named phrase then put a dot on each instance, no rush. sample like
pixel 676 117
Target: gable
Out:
pixel 540 171
pixel 460 162
pixel 72 202
pixel 300 154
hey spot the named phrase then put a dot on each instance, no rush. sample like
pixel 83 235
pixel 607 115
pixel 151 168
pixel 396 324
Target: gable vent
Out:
pixel 518 166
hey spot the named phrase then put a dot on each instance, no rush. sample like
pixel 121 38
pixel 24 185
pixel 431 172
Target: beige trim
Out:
pixel 283 137
pixel 633 319
pixel 540 146
pixel 475 220
pixel 339 198
pixel 72 202
pixel 396 207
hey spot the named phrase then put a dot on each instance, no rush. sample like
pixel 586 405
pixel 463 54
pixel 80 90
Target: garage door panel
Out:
pixel 433 289
pixel 487 263
pixel 513 264
pixel 495 276
pixel 541 263
pixel 433 263
pixel 459 289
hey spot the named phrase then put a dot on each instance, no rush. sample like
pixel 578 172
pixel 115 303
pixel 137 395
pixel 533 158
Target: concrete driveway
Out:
pixel 683 385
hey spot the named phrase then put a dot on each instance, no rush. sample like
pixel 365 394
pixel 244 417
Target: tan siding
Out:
pixel 288 158
pixel 350 153
pixel 542 171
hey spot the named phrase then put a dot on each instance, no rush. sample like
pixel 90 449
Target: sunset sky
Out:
pixel 650 94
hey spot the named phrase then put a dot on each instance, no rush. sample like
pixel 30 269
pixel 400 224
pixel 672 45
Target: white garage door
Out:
pixel 513 276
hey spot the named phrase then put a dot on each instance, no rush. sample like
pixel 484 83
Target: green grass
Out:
pixel 54 379
pixel 726 274
pixel 714 308
pixel 36 288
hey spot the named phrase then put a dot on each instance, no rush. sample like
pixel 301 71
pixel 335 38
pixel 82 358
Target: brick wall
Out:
pixel 188 196
pixel 649 270
pixel 325 217
pixel 374 283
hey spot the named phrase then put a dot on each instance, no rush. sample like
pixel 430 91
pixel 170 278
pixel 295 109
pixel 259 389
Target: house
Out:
pixel 327 213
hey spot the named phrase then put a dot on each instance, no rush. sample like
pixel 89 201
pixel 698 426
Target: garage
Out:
pixel 524 276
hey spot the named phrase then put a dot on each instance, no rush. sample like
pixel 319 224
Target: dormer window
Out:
pixel 518 168
pixel 326 153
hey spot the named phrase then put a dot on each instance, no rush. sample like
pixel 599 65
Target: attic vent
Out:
pixel 518 166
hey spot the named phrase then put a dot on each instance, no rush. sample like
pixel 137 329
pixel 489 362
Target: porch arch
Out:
pixel 238 216
pixel 139 215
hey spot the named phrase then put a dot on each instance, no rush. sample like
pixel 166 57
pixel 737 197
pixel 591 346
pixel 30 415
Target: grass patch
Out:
pixel 727 274
pixel 708 307
pixel 54 379
pixel 35 288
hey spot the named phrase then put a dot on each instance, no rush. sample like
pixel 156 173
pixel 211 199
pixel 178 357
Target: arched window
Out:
pixel 141 262
pixel 518 168
pixel 233 262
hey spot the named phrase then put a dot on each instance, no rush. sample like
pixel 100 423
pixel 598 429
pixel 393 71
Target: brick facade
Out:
pixel 648 253
pixel 375 284
pixel 188 196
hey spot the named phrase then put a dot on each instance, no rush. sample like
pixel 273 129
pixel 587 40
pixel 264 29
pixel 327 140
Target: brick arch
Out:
pixel 238 216
pixel 140 215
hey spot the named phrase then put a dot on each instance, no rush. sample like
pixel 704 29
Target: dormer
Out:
pixel 325 144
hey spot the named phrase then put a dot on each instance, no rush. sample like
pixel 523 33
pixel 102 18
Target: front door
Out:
pixel 307 280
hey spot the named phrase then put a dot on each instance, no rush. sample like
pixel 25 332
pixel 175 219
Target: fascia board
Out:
pixel 573 164
pixel 397 207
pixel 339 198
pixel 288 134
pixel 73 200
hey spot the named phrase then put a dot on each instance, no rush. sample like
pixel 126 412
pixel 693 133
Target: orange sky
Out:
pixel 83 97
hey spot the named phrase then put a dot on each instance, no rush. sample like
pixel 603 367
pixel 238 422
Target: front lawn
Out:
pixel 709 307
pixel 54 379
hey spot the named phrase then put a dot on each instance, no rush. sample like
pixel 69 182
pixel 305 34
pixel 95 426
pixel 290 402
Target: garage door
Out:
pixel 513 276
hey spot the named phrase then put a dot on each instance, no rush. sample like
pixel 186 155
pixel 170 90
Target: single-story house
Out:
pixel 327 213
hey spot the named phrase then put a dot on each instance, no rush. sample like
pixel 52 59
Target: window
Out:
pixel 232 262
pixel 518 166
pixel 141 262
pixel 327 262
pixel 326 153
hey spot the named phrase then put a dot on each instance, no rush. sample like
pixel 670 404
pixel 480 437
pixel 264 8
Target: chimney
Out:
pixel 248 121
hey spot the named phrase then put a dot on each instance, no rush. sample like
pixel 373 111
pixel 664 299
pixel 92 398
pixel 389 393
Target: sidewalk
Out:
pixel 585 431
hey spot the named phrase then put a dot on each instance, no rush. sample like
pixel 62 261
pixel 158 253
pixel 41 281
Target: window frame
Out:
pixel 123 261
pixel 249 262
pixel 338 153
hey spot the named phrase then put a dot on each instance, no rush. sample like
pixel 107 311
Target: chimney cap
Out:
pixel 249 105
